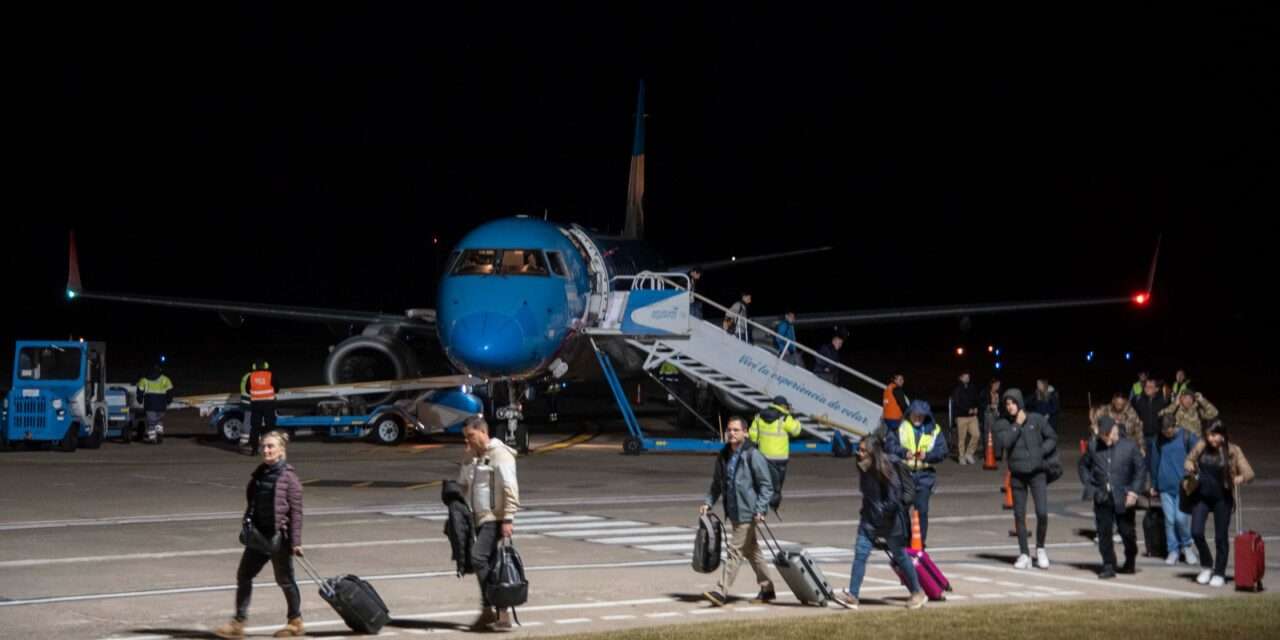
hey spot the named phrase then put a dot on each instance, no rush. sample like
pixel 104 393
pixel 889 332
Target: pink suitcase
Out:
pixel 932 581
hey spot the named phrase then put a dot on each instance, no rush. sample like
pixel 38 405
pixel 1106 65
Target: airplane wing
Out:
pixel 735 261
pixel 233 312
pixel 209 401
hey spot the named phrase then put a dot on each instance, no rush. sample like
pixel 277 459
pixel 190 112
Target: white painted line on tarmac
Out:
pixel 574 621
pixel 39 562
pixel 750 609
pixel 617 618
pixel 664 614
pixel 706 612
pixel 1015 585
pixel 1124 586
pixel 682 546
pixel 651 529
pixel 989 596
pixel 671 537
pixel 585 526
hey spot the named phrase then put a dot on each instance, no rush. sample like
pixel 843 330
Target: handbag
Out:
pixel 254 539
pixel 1187 493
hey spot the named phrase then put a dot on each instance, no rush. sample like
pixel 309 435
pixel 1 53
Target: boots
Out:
pixel 291 630
pixel 233 629
pixel 487 617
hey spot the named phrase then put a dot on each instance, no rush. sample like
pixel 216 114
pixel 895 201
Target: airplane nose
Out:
pixel 488 342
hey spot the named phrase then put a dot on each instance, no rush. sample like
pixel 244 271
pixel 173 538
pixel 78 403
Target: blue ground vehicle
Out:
pixel 433 411
pixel 59 395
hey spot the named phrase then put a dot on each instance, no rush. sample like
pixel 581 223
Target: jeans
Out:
pixel 862 550
pixel 482 552
pixel 251 563
pixel 1221 509
pixel 1177 525
pixel 1039 485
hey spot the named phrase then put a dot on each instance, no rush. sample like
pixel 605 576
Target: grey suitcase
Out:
pixel 802 575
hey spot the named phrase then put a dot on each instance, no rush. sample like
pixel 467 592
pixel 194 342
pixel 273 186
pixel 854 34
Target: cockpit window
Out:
pixel 476 262
pixel 524 262
pixel 557 263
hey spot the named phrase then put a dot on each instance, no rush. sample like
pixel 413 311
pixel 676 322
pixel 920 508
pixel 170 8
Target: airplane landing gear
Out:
pixel 513 432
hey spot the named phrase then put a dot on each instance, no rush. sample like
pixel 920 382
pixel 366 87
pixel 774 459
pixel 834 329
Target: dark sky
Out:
pixel 305 155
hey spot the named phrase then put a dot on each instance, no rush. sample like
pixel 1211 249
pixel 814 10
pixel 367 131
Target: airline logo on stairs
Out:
pixel 656 313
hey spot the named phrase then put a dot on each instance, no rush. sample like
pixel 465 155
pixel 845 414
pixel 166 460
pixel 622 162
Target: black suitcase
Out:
pixel 352 598
pixel 1153 537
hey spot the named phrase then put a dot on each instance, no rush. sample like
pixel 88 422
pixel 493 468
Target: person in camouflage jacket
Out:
pixel 1190 411
pixel 1122 413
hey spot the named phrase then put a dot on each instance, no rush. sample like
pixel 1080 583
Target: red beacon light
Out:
pixel 1142 299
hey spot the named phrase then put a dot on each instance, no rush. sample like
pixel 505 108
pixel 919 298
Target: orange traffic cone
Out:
pixel 916 542
pixel 990 463
pixel 1008 491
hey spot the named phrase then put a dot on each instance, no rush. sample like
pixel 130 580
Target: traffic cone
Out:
pixel 1084 446
pixel 917 543
pixel 990 463
pixel 1008 491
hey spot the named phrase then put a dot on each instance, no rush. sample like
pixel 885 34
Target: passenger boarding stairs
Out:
pixel 652 316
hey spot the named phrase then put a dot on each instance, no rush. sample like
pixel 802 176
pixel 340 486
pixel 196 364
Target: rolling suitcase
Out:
pixel 1251 554
pixel 352 598
pixel 1153 532
pixel 799 571
pixel 932 581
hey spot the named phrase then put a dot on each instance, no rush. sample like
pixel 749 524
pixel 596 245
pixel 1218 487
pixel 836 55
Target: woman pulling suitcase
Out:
pixel 272 533
pixel 1216 468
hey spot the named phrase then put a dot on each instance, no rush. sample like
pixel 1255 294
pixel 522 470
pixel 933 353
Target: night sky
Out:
pixel 307 156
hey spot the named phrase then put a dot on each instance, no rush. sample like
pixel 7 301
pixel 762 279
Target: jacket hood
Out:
pixel 921 407
pixel 1016 396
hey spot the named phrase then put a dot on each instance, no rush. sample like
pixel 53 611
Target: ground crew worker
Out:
pixel 262 404
pixel 155 392
pixel 1180 383
pixel 1138 387
pixel 894 400
pixel 246 405
pixel 918 442
pixel 772 431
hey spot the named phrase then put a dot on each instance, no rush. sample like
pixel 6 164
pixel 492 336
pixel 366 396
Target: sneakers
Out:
pixel 233 629
pixel 487 617
pixel 916 600
pixel 845 599
pixel 1024 562
pixel 1042 558
pixel 962 460
pixel 972 460
pixel 291 630
pixel 503 623
pixel 717 599
pixel 1189 555
pixel 767 594
pixel 1172 559
pixel 1108 572
pixel 1204 576
pixel 1217 581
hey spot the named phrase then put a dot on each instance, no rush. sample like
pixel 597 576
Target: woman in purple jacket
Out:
pixel 274 497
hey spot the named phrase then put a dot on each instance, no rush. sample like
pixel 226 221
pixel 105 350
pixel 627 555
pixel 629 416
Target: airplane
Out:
pixel 514 299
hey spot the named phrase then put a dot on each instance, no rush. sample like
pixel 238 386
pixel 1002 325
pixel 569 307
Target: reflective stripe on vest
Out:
pixel 260 386
pixel 160 385
pixel 1179 387
pixel 907 436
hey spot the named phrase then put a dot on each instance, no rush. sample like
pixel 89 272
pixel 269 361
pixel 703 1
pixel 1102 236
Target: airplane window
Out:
pixel 557 263
pixel 525 262
pixel 476 262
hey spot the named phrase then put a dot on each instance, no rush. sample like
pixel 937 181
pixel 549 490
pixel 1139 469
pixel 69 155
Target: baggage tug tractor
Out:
pixel 58 395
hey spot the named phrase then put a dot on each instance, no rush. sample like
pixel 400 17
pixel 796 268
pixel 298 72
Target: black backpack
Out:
pixel 906 485
pixel 507 587
pixel 707 543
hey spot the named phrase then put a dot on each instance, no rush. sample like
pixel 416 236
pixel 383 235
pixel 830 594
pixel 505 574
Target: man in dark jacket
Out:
pixel 1149 405
pixel 919 443
pixel 964 408
pixel 1030 444
pixel 1111 472
pixel 742 478
pixel 830 351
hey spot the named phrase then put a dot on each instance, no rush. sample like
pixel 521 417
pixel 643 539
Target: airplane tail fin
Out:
pixel 73 270
pixel 635 186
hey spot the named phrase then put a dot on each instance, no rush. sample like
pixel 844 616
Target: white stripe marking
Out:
pixel 989 596
pixel 977 579
pixel 956 596
pixel 1015 585
pixel 37 562
pixel 574 621
pixel 1111 584
pixel 531 624
pixel 750 609
pixel 580 525
pixel 705 612
pixel 615 618
pixel 620 532
pixel 645 539
pixel 665 614
pixel 683 546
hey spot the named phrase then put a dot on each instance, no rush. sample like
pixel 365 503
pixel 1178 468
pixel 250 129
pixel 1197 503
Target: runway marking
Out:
pixel 362 485
pixel 632 540
pixel 580 528
pixel 522 515
pixel 586 533
pixel 1094 582
pixel 705 612
pixel 573 621
pixel 988 596
pixel 39 562
pixel 565 444
pixel 664 614
pixel 614 618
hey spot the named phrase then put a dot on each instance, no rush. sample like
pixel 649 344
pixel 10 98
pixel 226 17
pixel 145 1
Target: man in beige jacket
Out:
pixel 488 479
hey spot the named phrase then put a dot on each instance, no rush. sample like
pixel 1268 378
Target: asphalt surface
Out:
pixel 133 541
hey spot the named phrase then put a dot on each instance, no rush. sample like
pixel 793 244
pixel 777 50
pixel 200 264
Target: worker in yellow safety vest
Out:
pixel 155 392
pixel 918 442
pixel 772 431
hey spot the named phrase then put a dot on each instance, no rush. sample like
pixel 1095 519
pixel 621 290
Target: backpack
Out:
pixel 707 544
pixel 507 586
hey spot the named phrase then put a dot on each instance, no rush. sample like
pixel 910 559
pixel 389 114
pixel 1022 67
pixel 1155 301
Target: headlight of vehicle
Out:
pixel 57 403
